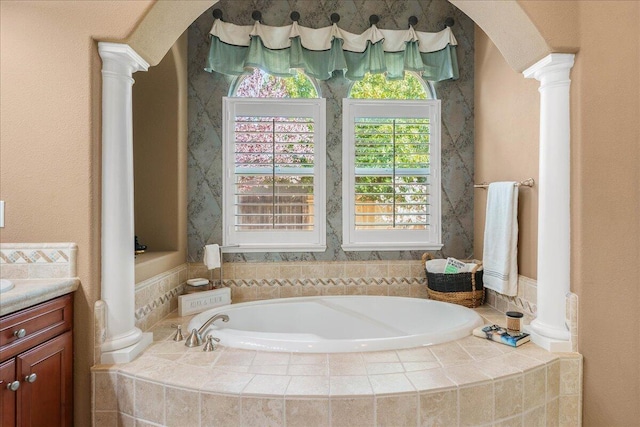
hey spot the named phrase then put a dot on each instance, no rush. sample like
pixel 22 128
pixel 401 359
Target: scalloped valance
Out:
pixel 236 49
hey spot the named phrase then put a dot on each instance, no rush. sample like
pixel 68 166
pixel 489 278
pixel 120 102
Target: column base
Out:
pixel 550 344
pixel 127 354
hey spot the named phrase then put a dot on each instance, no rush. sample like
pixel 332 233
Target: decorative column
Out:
pixel 549 330
pixel 123 341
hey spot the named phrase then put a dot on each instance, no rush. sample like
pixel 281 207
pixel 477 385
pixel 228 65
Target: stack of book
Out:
pixel 499 334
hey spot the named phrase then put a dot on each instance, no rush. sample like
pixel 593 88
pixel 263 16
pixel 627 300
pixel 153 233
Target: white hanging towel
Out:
pixel 500 253
pixel 212 256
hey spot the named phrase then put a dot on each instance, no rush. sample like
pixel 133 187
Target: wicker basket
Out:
pixel 462 288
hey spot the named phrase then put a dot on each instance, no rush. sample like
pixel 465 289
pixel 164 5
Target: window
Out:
pixel 391 173
pixel 274 171
pixel 376 86
pixel 260 84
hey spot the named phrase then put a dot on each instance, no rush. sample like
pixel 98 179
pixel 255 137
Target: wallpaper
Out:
pixel 205 123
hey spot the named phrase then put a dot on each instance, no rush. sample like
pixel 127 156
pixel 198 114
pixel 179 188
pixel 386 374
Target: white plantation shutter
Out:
pixel 391 184
pixel 274 153
pixel 391 173
pixel 274 173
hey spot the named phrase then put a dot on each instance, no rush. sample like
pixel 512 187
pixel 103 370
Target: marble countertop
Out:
pixel 29 292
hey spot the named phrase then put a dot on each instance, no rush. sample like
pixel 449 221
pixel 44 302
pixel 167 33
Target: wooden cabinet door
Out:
pixel 8 397
pixel 46 399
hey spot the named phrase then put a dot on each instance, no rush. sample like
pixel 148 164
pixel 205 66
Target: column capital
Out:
pixel 550 63
pixel 121 58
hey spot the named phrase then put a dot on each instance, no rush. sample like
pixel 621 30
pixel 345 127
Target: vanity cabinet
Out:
pixel 36 365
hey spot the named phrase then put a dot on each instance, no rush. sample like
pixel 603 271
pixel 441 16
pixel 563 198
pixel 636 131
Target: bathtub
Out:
pixel 338 324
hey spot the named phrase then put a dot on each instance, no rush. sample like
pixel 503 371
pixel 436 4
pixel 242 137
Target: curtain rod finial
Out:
pixel 374 19
pixel 413 21
pixel 217 14
pixel 449 22
pixel 256 15
pixel 295 16
pixel 335 18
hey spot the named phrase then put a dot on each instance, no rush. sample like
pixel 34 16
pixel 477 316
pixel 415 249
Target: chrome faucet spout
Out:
pixel 208 323
pixel 195 337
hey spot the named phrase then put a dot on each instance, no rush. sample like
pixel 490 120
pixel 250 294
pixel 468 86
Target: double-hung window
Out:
pixel 274 174
pixel 391 175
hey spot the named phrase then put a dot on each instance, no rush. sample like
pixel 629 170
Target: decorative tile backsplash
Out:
pixel 158 296
pixel 267 280
pixel 525 301
pixel 205 92
pixel 38 260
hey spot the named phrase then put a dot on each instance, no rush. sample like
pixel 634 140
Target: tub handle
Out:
pixel 210 345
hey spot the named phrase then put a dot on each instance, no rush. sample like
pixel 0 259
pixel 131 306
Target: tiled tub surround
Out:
pixel 469 382
pixel 158 296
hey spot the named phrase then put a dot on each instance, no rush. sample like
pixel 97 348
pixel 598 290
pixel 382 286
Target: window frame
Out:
pixel 275 240
pixel 398 239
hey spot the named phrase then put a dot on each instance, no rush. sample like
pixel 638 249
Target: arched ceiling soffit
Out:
pixel 505 22
pixel 510 29
pixel 162 25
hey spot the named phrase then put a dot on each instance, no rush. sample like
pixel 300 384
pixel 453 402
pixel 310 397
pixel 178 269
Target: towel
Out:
pixel 212 256
pixel 500 253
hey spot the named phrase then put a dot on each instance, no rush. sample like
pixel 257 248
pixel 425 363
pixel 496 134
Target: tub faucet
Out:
pixel 195 337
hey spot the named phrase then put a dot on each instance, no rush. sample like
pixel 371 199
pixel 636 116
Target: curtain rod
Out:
pixel 530 182
pixel 256 15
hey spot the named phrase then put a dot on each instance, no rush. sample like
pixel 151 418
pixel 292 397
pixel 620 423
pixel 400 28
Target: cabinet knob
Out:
pixel 20 333
pixel 31 378
pixel 14 386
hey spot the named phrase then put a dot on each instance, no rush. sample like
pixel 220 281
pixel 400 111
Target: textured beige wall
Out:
pixel 160 162
pixel 606 209
pixel 605 177
pixel 49 140
pixel 507 118
pixel 155 149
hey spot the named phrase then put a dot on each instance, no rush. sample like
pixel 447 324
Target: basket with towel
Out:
pixel 463 288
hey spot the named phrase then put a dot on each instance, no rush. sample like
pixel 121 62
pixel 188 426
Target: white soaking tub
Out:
pixel 338 324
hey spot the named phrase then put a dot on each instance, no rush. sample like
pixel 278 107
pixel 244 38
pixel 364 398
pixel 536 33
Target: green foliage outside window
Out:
pixel 376 86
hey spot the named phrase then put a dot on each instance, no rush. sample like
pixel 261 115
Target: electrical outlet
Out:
pixel 1 213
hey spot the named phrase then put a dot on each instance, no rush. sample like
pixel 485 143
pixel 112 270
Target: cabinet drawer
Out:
pixel 38 324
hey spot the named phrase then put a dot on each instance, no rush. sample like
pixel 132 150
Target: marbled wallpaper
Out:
pixel 205 126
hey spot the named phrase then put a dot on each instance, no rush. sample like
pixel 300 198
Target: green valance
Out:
pixel 236 50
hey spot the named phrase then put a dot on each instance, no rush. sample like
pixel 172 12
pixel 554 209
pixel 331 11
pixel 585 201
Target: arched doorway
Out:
pixel 506 23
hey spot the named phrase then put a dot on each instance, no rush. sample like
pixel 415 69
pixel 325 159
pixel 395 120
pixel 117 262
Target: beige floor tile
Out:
pixel 182 407
pixel 150 401
pixel 439 408
pixel 219 410
pixel 262 412
pixel 509 395
pixel 476 405
pixel 352 412
pixel 303 413
pixel 397 411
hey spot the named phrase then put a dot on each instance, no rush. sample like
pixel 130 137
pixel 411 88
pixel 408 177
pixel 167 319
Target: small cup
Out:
pixel 514 319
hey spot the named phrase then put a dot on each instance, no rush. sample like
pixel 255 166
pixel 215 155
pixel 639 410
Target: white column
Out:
pixel 123 340
pixel 548 329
